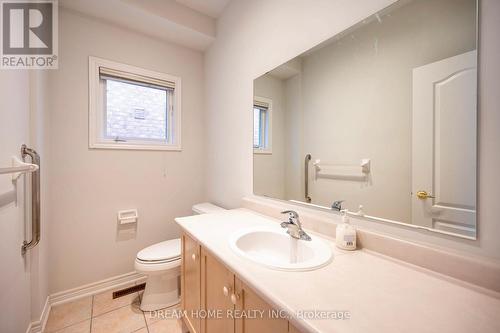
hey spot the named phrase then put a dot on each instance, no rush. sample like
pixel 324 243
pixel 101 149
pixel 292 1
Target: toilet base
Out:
pixel 162 291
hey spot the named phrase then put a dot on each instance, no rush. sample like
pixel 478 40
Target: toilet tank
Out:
pixel 206 208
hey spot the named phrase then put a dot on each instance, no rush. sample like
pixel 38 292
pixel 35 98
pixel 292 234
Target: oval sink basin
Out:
pixel 274 248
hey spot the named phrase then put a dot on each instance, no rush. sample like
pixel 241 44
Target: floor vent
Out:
pixel 129 290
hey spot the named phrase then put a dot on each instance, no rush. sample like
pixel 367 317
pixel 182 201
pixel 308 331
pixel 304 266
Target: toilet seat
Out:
pixel 157 262
pixel 161 253
pixel 147 267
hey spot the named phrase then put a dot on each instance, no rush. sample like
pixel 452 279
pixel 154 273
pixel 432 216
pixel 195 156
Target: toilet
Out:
pixel 161 263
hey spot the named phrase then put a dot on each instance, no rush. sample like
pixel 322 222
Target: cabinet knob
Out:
pixel 226 290
pixel 234 298
pixel 193 256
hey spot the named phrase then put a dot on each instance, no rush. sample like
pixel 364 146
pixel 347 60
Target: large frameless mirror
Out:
pixel 380 120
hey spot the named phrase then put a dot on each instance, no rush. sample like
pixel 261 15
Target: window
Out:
pixel 259 126
pixel 132 108
pixel 262 108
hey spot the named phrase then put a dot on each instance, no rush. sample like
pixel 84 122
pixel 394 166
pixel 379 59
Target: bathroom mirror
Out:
pixel 380 119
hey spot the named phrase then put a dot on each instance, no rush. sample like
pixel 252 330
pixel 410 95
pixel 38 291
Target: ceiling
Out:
pixel 287 70
pixel 190 23
pixel 212 8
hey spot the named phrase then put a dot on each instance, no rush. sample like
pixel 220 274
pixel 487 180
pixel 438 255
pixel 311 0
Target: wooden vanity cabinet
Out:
pixel 267 321
pixel 208 285
pixel 217 286
pixel 190 282
pixel 292 329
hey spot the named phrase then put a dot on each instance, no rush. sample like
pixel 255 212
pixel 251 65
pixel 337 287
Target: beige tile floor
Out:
pixel 102 314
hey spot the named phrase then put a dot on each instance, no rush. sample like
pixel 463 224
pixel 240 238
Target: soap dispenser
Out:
pixel 345 235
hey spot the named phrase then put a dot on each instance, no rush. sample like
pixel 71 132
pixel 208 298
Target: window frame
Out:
pixel 268 135
pixel 97 112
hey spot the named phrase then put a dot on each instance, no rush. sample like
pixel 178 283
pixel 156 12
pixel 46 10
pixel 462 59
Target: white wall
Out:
pixel 39 138
pixel 15 299
pixel 269 178
pixel 254 37
pixel 87 186
pixel 295 154
pixel 25 278
pixel 283 29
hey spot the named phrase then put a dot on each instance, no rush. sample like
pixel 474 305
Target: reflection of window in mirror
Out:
pixel 262 133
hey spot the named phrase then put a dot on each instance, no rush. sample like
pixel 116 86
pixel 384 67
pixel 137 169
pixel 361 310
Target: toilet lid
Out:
pixel 167 250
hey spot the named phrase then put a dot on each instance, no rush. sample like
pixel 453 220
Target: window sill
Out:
pixel 132 146
pixel 263 151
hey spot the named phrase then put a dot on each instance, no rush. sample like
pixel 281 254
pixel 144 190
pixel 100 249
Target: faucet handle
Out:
pixel 293 218
pixel 291 214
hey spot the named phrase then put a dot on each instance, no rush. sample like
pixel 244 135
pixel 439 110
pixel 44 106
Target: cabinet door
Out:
pixel 292 329
pixel 190 282
pixel 260 318
pixel 217 285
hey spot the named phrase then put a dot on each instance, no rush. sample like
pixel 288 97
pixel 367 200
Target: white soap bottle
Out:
pixel 345 235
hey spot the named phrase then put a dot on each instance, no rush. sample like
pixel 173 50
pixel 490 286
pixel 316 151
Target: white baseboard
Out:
pixel 95 288
pixel 82 291
pixel 39 325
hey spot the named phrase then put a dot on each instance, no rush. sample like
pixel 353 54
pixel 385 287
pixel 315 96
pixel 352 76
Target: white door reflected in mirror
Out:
pixel 444 144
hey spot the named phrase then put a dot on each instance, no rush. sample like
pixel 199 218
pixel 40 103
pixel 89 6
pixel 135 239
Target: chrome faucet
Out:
pixel 294 226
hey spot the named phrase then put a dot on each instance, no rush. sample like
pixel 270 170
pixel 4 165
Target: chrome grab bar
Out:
pixel 35 199
pixel 306 178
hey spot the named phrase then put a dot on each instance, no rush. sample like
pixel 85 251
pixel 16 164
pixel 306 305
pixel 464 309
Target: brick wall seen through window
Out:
pixel 135 111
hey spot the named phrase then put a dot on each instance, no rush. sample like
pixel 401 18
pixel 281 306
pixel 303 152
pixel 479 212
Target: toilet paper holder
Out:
pixel 127 216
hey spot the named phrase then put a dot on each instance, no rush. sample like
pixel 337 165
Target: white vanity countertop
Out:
pixel 380 294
